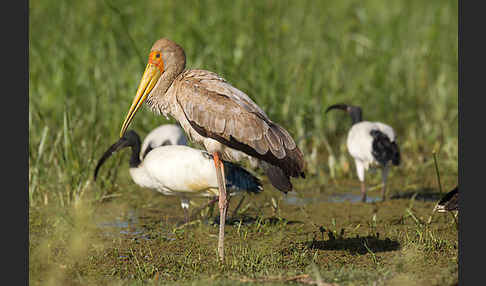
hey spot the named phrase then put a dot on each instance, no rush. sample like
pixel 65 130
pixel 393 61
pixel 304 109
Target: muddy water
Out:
pixel 138 223
pixel 134 225
pixel 125 225
pixel 293 198
pixel 147 221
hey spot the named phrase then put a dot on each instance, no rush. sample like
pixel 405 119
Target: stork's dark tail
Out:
pixel 449 202
pixel 239 179
pixel 277 177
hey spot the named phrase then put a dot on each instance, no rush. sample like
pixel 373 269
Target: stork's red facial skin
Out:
pixel 155 58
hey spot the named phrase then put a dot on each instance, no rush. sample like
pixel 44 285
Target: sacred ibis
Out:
pixel 370 143
pixel 217 115
pixel 179 170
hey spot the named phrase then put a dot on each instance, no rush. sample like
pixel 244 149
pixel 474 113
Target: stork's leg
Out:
pixel 223 202
pixel 361 175
pixel 384 175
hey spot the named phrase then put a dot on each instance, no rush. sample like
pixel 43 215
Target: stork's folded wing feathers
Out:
pixel 217 110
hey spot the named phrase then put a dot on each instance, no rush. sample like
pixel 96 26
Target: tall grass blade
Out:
pixel 437 170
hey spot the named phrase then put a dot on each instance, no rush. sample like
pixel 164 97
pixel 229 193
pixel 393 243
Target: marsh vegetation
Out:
pixel 398 60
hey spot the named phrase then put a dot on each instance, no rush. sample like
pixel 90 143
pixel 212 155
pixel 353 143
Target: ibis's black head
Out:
pixel 354 111
pixel 129 139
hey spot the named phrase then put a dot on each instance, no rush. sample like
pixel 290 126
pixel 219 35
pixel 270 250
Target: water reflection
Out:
pixel 293 198
pixel 129 225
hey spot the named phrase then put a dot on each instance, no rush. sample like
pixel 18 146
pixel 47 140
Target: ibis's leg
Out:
pixel 211 207
pixel 384 175
pixel 210 203
pixel 185 207
pixel 361 175
pixel 363 192
pixel 235 211
pixel 223 203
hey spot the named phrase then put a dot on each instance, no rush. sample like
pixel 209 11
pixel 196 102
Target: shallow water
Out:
pixel 354 198
pixel 128 224
pixel 131 226
pixel 293 198
pixel 145 223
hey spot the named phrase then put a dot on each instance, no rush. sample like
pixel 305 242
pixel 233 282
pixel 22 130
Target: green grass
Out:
pixel 398 60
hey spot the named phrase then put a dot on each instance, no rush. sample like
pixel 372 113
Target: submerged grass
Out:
pixel 396 59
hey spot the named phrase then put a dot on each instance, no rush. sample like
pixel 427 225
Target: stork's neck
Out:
pixel 159 99
pixel 166 80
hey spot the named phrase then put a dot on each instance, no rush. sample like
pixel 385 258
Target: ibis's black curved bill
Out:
pixel 341 106
pixel 354 111
pixel 123 142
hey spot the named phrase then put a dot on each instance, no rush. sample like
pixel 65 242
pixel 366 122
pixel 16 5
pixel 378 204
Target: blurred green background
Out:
pixel 398 60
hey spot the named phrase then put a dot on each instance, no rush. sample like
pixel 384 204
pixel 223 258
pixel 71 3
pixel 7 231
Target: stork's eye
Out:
pixel 157 55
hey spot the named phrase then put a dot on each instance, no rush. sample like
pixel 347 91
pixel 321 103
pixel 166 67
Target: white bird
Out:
pixel 173 134
pixel 178 170
pixel 370 143
pixel 165 134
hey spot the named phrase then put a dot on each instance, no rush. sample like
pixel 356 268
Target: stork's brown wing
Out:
pixel 217 110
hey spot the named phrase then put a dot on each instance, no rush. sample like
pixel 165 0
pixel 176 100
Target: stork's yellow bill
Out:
pixel 152 73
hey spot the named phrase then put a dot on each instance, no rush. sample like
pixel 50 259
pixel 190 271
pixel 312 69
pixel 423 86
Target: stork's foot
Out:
pixel 223 207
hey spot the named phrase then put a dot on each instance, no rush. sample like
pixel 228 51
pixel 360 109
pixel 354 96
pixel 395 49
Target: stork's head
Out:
pixel 354 111
pixel 166 60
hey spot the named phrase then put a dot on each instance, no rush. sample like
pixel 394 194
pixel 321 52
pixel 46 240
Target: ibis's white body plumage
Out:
pixel 369 143
pixel 165 134
pixel 177 170
pixel 360 144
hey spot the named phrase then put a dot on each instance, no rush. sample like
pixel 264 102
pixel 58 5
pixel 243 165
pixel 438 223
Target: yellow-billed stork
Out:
pixel 217 115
